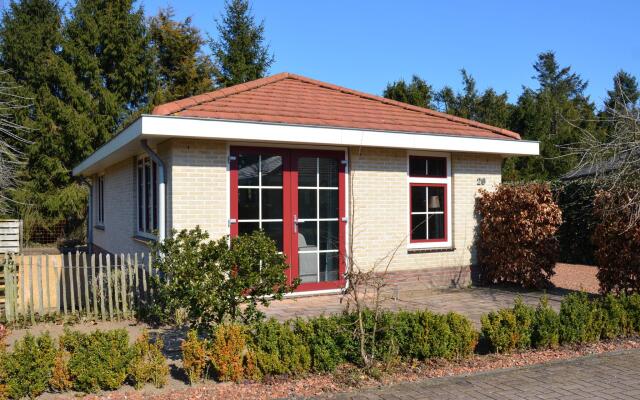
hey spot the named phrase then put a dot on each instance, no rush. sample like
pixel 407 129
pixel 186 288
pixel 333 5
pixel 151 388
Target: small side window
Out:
pixel 427 167
pixel 99 188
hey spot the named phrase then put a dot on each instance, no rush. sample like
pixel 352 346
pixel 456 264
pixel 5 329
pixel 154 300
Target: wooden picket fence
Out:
pixel 100 286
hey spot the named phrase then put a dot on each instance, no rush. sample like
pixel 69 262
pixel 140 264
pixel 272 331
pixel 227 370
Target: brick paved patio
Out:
pixel 605 376
pixel 472 302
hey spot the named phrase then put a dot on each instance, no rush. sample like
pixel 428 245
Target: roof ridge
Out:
pixel 180 105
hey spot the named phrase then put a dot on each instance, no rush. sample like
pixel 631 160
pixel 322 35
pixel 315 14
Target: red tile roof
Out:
pixel 292 99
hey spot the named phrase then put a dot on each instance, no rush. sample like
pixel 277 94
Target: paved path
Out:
pixel 472 302
pixel 607 376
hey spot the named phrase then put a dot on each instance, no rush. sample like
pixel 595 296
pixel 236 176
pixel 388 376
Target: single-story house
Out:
pixel 333 175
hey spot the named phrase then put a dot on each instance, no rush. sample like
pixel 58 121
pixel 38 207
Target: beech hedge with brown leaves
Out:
pixel 617 244
pixel 517 235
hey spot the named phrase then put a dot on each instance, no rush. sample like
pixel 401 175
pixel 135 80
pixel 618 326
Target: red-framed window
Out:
pixel 428 217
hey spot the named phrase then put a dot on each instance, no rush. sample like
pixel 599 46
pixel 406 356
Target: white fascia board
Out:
pixel 165 127
pixel 282 133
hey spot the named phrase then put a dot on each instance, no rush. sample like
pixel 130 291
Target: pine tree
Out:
pixel 625 91
pixel 555 114
pixel 417 92
pixel 31 43
pixel 240 54
pixel 182 69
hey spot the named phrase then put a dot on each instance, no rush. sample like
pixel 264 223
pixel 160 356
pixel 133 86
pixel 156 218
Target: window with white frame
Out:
pixel 147 194
pixel 99 202
pixel 429 201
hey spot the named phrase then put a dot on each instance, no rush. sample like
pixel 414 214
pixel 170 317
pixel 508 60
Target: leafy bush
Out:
pixel 278 349
pixel 631 304
pixel 61 379
pixel 227 352
pixel 99 360
pixel 249 272
pixel 579 320
pixel 509 329
pixel 322 336
pixel 546 326
pixel 517 235
pixel 148 364
pixel 379 336
pixel 464 336
pixel 617 245
pixel 29 366
pixel 194 357
pixel 614 318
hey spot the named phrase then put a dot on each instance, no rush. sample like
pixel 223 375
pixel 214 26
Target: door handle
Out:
pixel 295 223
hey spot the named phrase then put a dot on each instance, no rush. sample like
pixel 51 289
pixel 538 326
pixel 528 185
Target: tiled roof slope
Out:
pixel 292 99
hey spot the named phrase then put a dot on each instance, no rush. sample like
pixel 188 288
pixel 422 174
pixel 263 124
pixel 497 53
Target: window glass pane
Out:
pixel 418 227
pixel 247 170
pixel 271 170
pixel 271 203
pixel 436 226
pixel 436 199
pixel 328 172
pixel 248 202
pixel 328 235
pixel 244 228
pixel 140 197
pixel 307 169
pixel 308 267
pixel 274 231
pixel 329 266
pixel 307 203
pixel 148 199
pixel 418 198
pixel 307 236
pixel 437 167
pixel 154 190
pixel 328 204
pixel 417 166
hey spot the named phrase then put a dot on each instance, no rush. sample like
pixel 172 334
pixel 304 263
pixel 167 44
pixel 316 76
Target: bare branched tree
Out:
pixel 12 140
pixel 612 164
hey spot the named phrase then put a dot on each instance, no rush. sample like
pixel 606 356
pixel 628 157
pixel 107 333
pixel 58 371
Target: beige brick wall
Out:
pixel 119 211
pixel 380 202
pixel 198 186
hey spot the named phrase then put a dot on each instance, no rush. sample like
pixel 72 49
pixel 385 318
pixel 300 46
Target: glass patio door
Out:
pixel 297 198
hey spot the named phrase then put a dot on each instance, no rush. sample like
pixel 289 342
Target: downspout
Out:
pixel 89 216
pixel 162 213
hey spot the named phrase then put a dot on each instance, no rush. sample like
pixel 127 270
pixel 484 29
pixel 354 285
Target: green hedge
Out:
pixel 80 361
pixel 580 320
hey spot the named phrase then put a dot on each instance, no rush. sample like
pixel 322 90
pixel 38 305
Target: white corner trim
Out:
pixel 164 127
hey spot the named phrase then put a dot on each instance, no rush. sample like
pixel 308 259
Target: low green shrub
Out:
pixel 631 304
pixel 99 360
pixel 28 367
pixel 464 336
pixel 148 364
pixel 322 336
pixel 227 352
pixel 381 346
pixel 278 349
pixel 509 329
pixel 60 375
pixel 579 320
pixel 614 317
pixel 546 326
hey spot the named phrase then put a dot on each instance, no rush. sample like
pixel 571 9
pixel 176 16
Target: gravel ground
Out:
pixel 576 277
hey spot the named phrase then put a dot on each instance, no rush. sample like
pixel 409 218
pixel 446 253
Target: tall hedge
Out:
pixel 517 234
pixel 617 244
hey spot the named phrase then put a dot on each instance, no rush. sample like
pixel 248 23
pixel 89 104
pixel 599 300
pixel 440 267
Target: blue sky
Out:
pixel 365 44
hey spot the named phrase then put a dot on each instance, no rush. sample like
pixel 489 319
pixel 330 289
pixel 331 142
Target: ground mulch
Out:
pixel 576 277
pixel 350 379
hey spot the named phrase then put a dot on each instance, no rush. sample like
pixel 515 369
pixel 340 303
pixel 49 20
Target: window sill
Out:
pixel 99 226
pixel 419 250
pixel 144 238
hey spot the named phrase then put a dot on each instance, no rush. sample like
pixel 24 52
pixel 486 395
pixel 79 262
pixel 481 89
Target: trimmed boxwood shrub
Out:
pixel 546 326
pixel 580 319
pixel 617 245
pixel 28 368
pixel 509 329
pixel 278 349
pixel 517 235
pixel 322 336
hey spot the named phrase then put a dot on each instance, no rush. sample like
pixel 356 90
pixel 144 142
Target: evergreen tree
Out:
pixel 62 131
pixel 417 93
pixel 624 93
pixel 489 107
pixel 240 53
pixel 182 69
pixel 555 113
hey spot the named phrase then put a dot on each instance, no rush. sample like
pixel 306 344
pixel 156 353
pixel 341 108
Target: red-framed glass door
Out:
pixel 298 198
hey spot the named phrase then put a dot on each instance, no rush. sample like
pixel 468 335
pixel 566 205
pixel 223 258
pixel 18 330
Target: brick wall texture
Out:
pixel 197 194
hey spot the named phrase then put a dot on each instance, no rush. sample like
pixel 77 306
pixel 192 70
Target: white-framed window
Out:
pixel 147 196
pixel 99 202
pixel 429 200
